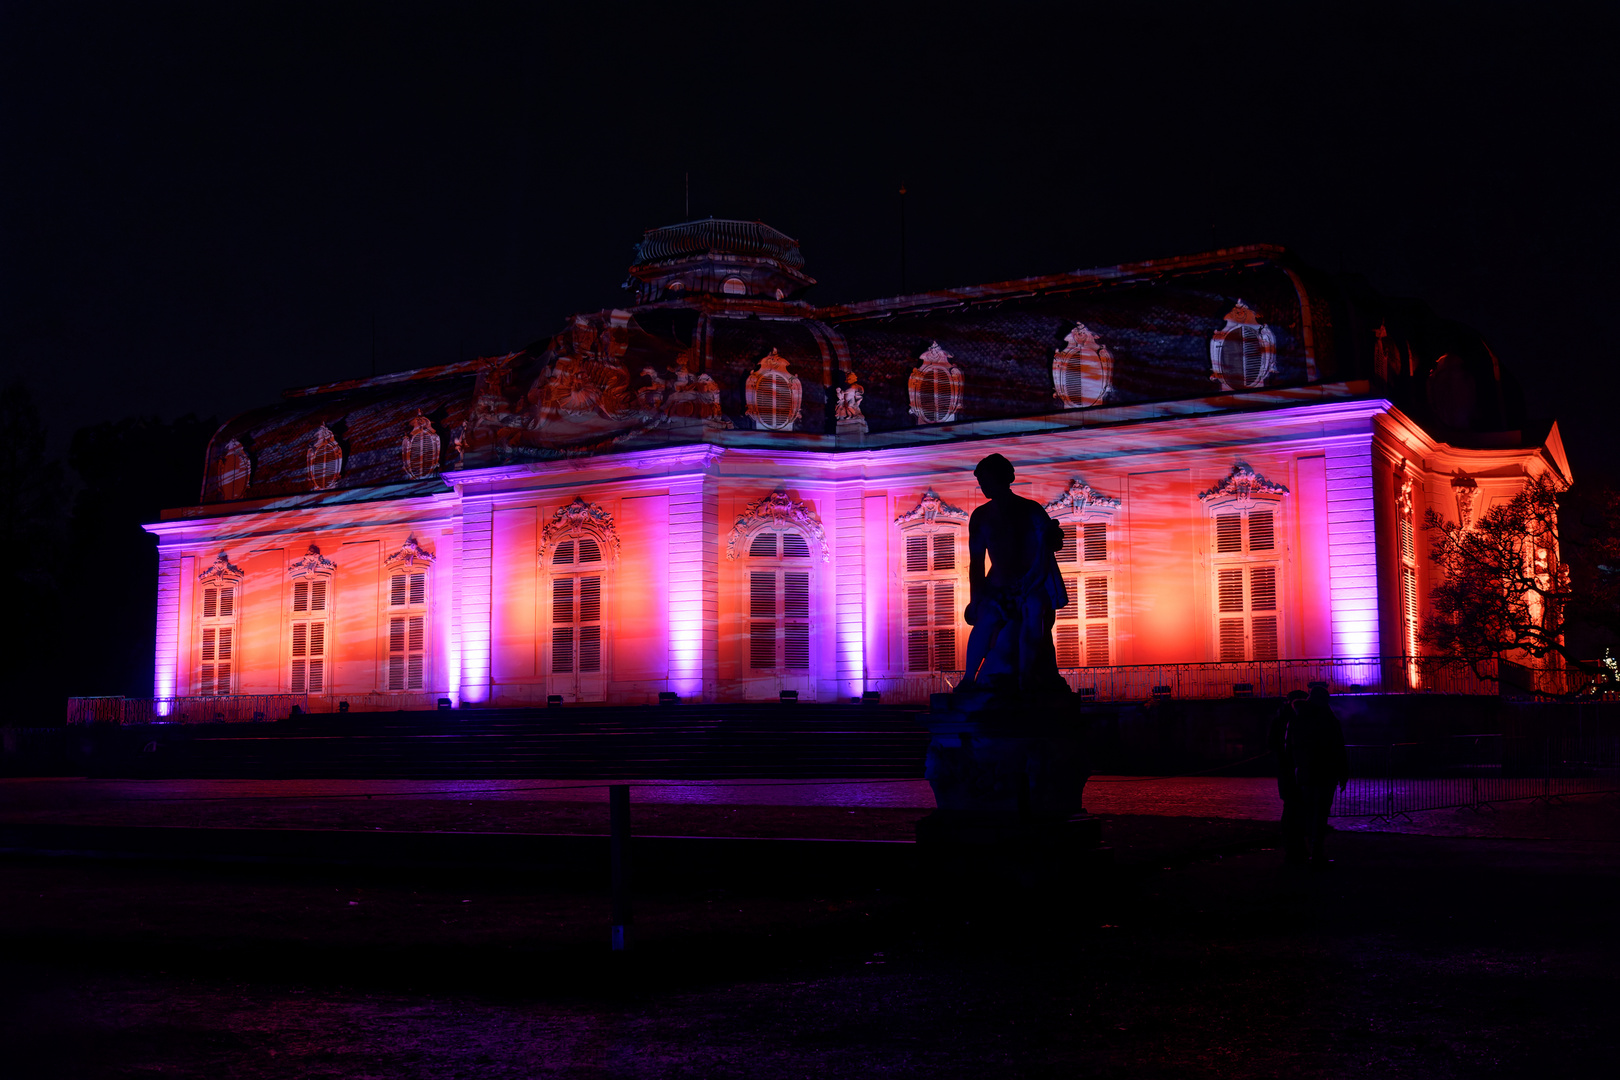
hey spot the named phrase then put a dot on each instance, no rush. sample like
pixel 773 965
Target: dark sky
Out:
pixel 204 204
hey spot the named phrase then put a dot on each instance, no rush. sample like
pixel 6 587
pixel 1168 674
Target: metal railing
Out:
pixel 1474 771
pixel 227 708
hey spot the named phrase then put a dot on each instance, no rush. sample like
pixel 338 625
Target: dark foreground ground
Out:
pixel 1195 953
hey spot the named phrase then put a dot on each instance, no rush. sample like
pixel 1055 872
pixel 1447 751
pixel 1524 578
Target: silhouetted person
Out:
pixel 1012 608
pixel 1315 742
pixel 1287 787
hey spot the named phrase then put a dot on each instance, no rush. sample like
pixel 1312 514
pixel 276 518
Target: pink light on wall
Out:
pixel 689 539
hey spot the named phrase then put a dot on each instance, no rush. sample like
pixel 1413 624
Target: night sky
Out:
pixel 205 204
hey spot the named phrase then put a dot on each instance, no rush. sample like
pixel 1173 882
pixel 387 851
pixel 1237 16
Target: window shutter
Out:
pixel 210 603
pixel 396 636
pixel 564 555
pixel 1232 641
pixel 300 639
pixel 917 650
pixel 297 685
pixel 1407 546
pixel 1074 383
pixel 562 649
pixel 1067 639
pixel 1261 537
pixel 1069 552
pixel 1263 588
pixel 763 546
pixel 396 591
pixel 396 672
pixel 1097 645
pixel 1409 597
pixel 222 679
pixel 1265 637
pixel 917 553
pixel 944 603
pixel 227 603
pixel 762 645
pixel 590 599
pixel 317 639
pixel 589 550
pixel 944 551
pixel 590 648
pixel 225 643
pixel 1228 533
pixel 917 605
pixel 1097 597
pixel 796 594
pixel 762 594
pixel 794 546
pixel 417 636
pixel 205 681
pixel 945 648
pixel 300 596
pixel 317 595
pixel 796 646
pixel 1231 591
pixel 562 601
pixel 317 675
pixel 413 676
pixel 208 644
pixel 418 588
pixel 1096 541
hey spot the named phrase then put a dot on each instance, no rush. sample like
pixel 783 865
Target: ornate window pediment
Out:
pixel 409 554
pixel 221 571
pixel 235 471
pixel 1243 484
pixel 1079 498
pixel 931 509
pixel 935 388
pixel 420 449
pixel 773 394
pixel 781 510
pixel 325 459
pixel 311 564
pixel 1243 353
pixel 1083 370
pixel 577 522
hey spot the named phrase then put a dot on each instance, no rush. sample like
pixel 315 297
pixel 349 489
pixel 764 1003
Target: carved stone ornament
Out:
pixel 580 518
pixel 1083 370
pixel 773 394
pixel 1243 353
pixel 849 399
pixel 221 571
pixel 1243 484
pixel 777 508
pixel 1464 487
pixel 409 554
pixel 310 564
pixel 929 509
pixel 325 459
pixel 1080 497
pixel 1403 491
pixel 935 388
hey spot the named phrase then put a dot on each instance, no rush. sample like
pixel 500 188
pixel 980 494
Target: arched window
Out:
pixel 311 615
pixel 1247 561
pixel 734 286
pixel 932 590
pixel 408 616
pixel 420 449
pixel 935 388
pixel 778 601
pixel 217 637
pixel 234 471
pixel 1083 370
pixel 773 394
pixel 1243 353
pixel 325 459
pixel 1084 630
pixel 583 546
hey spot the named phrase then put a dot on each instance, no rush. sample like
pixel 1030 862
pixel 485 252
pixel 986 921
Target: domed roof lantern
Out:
pixel 717 257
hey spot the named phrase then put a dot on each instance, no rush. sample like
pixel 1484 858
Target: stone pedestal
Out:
pixel 1008 777
pixel 851 431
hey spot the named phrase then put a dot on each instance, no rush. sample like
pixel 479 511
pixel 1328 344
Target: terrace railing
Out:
pixel 226 708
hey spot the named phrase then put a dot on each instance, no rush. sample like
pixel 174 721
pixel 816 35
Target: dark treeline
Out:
pixel 80 571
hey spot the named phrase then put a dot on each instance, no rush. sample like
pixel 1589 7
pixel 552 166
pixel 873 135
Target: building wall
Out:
pixel 676 612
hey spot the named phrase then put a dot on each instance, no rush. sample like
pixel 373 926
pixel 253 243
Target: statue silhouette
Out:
pixel 1012 606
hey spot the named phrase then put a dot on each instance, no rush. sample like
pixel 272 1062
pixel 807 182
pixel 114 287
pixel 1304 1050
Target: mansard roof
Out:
pixel 672 368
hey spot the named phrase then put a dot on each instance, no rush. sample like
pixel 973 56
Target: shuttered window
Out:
pixel 1083 632
pixel 310 647
pixel 407 630
pixel 576 608
pixel 932 597
pixel 216 654
pixel 774 403
pixel 1247 603
pixel 778 602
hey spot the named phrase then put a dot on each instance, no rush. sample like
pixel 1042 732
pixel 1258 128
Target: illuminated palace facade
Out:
pixel 724 491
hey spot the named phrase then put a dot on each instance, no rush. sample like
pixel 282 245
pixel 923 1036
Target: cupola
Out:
pixel 717 257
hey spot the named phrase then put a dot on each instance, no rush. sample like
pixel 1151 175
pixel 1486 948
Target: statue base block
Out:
pixel 1008 776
